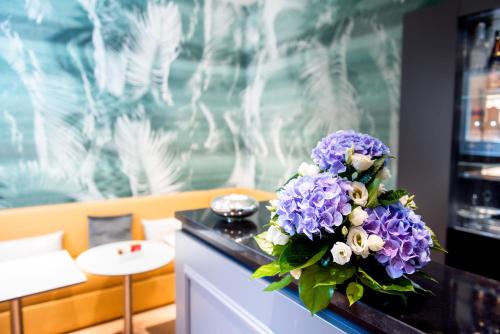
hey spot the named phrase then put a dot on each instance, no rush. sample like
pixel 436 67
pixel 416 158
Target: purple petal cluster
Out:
pixel 330 152
pixel 312 204
pixel 407 241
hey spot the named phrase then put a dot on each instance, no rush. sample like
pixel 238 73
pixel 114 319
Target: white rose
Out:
pixel 341 253
pixel 404 199
pixel 275 236
pixel 358 193
pixel 375 243
pixel 361 162
pixel 281 239
pixel 306 169
pixel 358 216
pixel 296 273
pixel 357 240
pixel 384 174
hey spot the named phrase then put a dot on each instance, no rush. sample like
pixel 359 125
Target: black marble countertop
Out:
pixel 462 302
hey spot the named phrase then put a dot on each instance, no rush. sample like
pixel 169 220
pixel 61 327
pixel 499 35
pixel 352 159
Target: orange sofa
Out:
pixel 101 298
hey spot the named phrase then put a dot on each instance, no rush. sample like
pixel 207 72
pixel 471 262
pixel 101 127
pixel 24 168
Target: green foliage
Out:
pixel 315 298
pixel 435 241
pixel 302 252
pixel 419 288
pixel 426 276
pixel 395 287
pixel 269 269
pixel 373 193
pixel 369 174
pixel 391 196
pixel 336 274
pixel 287 279
pixel 354 292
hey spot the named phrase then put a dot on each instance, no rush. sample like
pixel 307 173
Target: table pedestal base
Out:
pixel 127 314
pixel 16 316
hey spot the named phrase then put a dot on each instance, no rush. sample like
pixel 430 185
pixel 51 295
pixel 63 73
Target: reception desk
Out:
pixel 214 292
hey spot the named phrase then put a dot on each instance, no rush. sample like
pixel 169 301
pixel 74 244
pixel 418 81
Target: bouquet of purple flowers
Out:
pixel 334 224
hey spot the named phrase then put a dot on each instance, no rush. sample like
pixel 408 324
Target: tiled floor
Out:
pixel 160 320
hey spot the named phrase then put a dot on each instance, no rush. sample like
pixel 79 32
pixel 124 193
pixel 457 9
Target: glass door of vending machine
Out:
pixel 475 184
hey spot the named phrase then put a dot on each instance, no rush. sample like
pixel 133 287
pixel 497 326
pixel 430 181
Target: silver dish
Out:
pixel 234 206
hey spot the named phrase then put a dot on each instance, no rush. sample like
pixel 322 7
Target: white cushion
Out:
pixel 13 249
pixel 157 229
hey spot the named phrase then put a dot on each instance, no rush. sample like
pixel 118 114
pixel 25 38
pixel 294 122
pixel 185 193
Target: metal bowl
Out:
pixel 234 206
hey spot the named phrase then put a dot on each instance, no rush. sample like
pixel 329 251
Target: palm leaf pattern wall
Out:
pixel 114 98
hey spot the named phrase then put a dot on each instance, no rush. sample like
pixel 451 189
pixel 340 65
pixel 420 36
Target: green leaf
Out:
pixel 354 292
pixel 423 274
pixel 301 253
pixel 373 193
pixel 287 279
pixel 337 274
pixel 420 288
pixel 391 197
pixel 314 298
pixel 277 250
pixel 397 286
pixel 435 241
pixel 269 269
pixel 379 163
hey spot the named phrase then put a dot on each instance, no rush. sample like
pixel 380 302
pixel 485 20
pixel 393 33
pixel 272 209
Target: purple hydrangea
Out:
pixel 312 204
pixel 407 242
pixel 330 152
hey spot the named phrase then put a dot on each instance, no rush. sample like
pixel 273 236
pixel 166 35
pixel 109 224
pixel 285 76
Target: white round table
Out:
pixel 106 261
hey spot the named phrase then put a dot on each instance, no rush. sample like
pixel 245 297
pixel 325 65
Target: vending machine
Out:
pixel 475 177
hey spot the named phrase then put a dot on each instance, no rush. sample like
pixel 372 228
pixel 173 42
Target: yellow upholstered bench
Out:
pixel 100 299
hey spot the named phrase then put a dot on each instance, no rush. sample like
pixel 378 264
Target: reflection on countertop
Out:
pixel 462 302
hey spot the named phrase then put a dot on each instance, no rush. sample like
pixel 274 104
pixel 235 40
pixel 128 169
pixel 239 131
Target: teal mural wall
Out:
pixel 112 98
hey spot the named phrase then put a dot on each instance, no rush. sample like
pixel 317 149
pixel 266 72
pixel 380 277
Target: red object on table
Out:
pixel 135 247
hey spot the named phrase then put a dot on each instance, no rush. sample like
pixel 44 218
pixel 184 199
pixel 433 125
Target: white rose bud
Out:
pixel 306 169
pixel 361 162
pixel 358 193
pixel 275 236
pixel 348 155
pixel 375 243
pixel 341 253
pixel 296 273
pixel 344 231
pixel 358 216
pixel 384 174
pixel 357 239
pixel 408 201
